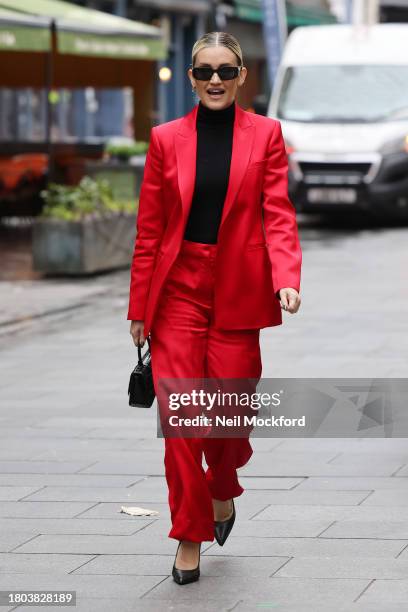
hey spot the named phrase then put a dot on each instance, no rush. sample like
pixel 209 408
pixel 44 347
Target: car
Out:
pixel 341 95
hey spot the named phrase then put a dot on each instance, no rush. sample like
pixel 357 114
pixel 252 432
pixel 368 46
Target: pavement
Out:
pixel 322 524
pixel 25 300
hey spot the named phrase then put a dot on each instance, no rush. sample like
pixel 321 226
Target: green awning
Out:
pixel 303 15
pixel 84 31
pixel 252 10
pixel 23 33
pixel 249 10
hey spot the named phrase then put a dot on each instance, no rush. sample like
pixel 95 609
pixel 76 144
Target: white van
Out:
pixel 341 95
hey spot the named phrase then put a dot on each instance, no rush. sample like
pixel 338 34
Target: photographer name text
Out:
pixel 236 421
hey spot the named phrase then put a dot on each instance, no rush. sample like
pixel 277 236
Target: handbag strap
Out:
pixel 139 350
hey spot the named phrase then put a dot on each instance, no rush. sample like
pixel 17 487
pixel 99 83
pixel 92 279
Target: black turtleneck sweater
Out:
pixel 214 149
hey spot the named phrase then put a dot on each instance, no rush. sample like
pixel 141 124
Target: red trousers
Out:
pixel 184 344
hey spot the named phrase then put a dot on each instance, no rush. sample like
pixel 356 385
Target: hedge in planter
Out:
pixel 124 152
pixel 82 229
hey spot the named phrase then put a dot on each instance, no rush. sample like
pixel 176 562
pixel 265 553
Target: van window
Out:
pixel 344 93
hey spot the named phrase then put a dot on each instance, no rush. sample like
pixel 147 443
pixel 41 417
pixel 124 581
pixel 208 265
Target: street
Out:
pixel 322 524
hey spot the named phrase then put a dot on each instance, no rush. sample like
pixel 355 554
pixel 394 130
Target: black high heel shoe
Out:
pixel 184 576
pixel 222 529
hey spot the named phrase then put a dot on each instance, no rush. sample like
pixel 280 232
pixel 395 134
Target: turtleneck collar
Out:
pixel 212 116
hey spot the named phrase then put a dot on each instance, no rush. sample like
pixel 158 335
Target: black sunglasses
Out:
pixel 226 73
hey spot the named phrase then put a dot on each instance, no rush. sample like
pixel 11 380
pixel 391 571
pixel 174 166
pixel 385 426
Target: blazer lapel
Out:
pixel 186 154
pixel 243 140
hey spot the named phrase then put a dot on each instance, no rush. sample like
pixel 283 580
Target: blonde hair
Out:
pixel 217 39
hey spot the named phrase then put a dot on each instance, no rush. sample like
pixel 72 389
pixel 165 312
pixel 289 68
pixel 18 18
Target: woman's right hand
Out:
pixel 137 332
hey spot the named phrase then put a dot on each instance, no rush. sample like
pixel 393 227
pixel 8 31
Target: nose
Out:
pixel 215 78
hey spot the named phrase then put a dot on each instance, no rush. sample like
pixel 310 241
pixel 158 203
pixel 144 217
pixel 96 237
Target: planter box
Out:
pixel 83 247
pixel 125 177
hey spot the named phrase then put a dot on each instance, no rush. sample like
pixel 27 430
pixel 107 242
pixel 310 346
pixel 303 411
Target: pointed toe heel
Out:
pixel 183 576
pixel 222 529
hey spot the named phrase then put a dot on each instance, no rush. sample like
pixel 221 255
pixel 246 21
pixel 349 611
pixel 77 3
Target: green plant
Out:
pixel 88 198
pixel 127 150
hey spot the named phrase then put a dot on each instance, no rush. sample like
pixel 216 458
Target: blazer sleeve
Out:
pixel 279 217
pixel 150 224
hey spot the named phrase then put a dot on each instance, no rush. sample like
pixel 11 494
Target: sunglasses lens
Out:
pixel 202 74
pixel 226 73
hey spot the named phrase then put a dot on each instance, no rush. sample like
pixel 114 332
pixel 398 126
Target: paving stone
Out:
pixel 249 605
pixel 148 443
pixel 403 472
pixel 44 434
pixel 260 445
pixel 267 529
pixel 16 454
pixel 315 456
pixel 110 604
pixel 309 547
pixel 383 592
pixel 356 567
pixel 101 544
pixel 40 467
pixel 82 449
pixel 283 528
pixel 161 565
pixel 85 586
pixel 361 513
pixel 306 498
pixel 157 482
pixel 272 591
pixel 404 553
pixel 42 509
pixel 9 493
pixel 105 424
pixel 31 298
pixel 390 462
pixel 343 445
pixel 338 483
pixel 253 483
pixel 258 467
pixel 281 512
pixel 20 563
pixel 69 480
pixel 384 529
pixel 94 455
pixel 120 495
pixel 153 466
pixel 9 541
pixel 127 526
pixel 86 456
pixel 136 431
pixel 387 498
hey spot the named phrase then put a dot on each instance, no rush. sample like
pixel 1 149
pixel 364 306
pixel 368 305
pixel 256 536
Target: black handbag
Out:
pixel 141 389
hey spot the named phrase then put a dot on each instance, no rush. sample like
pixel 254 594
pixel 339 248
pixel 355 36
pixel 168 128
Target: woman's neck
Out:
pixel 215 116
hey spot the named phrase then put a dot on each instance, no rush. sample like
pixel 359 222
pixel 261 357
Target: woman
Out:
pixel 216 257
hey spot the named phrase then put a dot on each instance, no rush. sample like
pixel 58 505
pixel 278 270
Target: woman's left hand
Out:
pixel 289 299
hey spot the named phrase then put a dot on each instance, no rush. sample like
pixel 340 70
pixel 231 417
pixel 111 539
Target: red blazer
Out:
pixel 258 245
